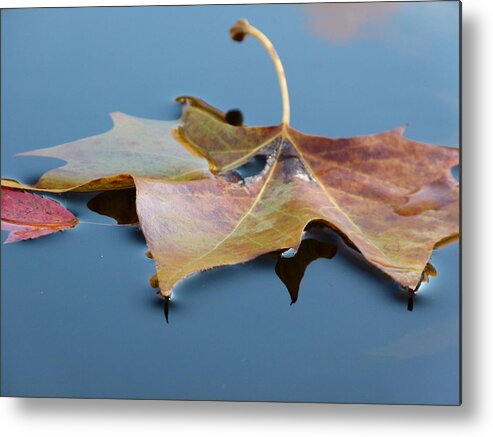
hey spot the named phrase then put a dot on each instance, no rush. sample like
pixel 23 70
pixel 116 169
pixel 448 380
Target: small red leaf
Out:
pixel 27 215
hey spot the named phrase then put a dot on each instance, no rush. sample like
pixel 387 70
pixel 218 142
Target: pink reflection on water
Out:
pixel 342 22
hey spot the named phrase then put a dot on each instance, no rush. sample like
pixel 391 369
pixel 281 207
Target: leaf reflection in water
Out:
pixel 428 272
pixel 117 204
pixel 291 270
pixel 290 266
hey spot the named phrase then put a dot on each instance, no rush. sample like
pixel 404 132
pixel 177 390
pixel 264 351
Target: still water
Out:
pixel 78 318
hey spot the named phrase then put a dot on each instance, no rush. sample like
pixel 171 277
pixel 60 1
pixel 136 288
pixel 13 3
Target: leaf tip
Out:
pixel 117 116
pixel 154 282
pixel 401 130
pixel 181 99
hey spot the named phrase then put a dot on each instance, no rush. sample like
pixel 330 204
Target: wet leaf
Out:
pixel 27 215
pixel 291 270
pixel 391 198
pixel 134 146
pixel 140 147
pixel 395 199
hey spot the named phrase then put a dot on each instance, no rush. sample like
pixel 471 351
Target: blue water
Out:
pixel 78 318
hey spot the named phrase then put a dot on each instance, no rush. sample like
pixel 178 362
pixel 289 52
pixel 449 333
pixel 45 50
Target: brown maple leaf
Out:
pixel 137 147
pixel 394 199
pixel 133 147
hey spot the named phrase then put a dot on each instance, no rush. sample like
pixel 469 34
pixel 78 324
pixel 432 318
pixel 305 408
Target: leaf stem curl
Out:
pixel 238 32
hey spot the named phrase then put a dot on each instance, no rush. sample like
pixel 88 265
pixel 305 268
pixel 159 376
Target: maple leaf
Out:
pixel 394 199
pixel 27 215
pixel 391 198
pixel 135 147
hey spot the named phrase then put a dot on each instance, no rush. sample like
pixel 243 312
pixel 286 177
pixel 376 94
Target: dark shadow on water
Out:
pixel 148 300
pixel 166 308
pixel 234 117
pixel 117 204
pixel 291 270
pixel 389 288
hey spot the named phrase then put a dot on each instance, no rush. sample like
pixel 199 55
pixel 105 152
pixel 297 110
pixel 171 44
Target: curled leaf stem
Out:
pixel 238 32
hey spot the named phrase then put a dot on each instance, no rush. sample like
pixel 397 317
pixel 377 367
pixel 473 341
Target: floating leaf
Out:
pixel 391 198
pixel 354 185
pixel 134 146
pixel 394 199
pixel 28 215
pixel 140 147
